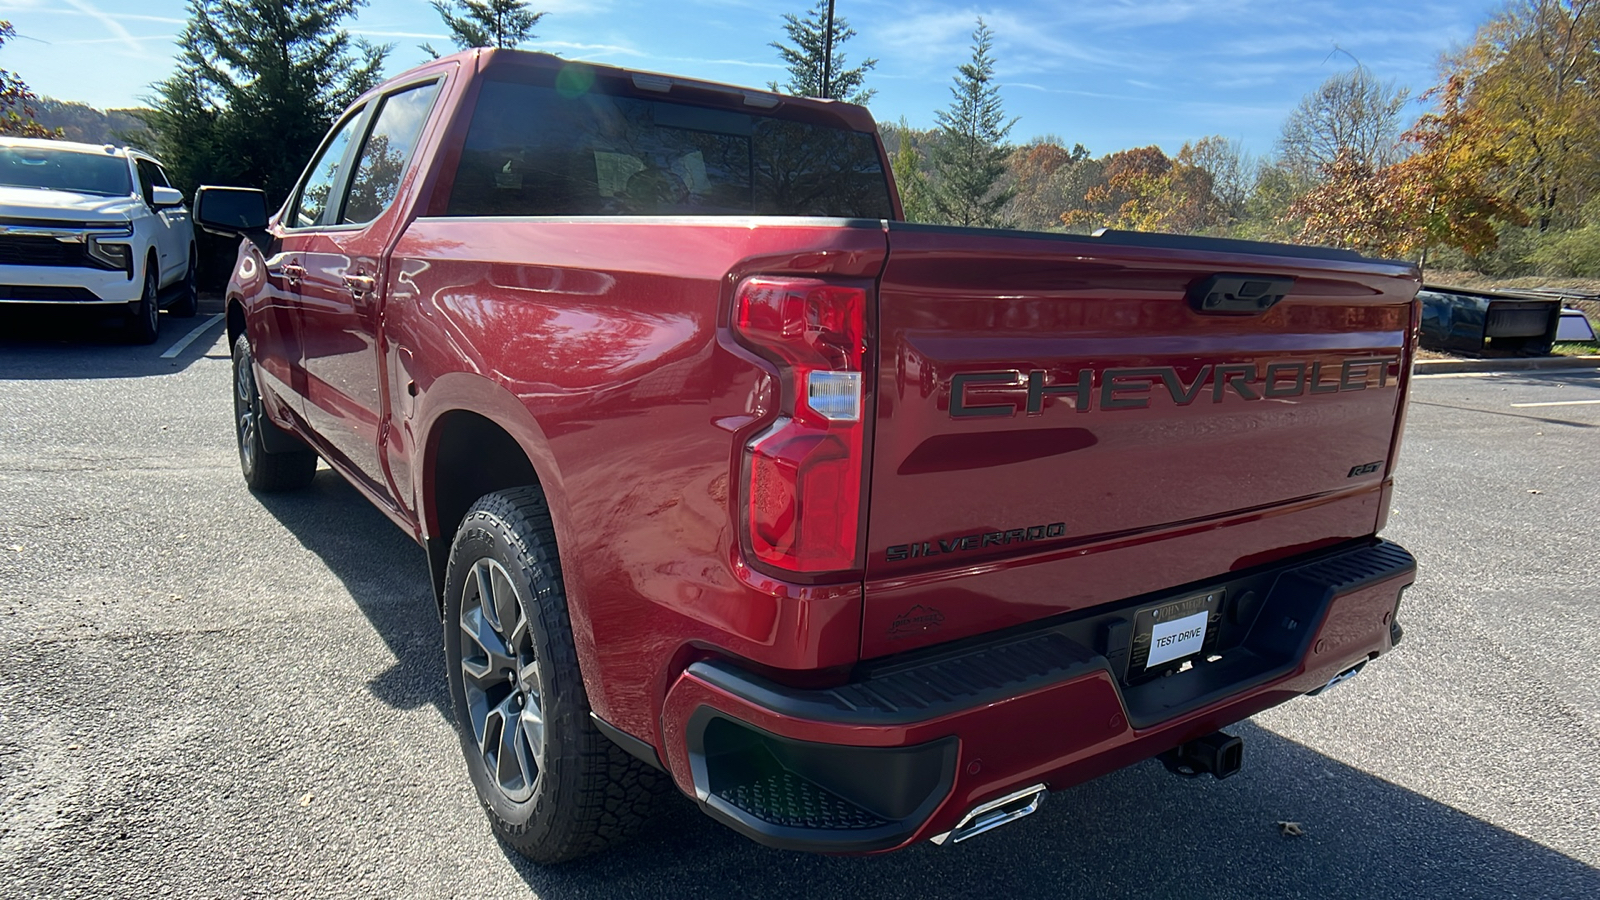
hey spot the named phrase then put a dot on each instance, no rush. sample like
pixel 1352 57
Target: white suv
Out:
pixel 88 224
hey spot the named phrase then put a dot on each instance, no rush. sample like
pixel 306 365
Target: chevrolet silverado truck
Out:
pixel 860 533
pixel 97 226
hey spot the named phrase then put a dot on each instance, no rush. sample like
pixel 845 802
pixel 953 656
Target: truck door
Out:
pixel 299 227
pixel 342 288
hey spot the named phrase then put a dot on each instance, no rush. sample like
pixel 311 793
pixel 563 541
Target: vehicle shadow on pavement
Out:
pixel 38 343
pixel 387 576
pixel 1140 832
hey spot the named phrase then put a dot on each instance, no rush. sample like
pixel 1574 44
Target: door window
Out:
pixel 312 198
pixel 387 151
pixel 150 177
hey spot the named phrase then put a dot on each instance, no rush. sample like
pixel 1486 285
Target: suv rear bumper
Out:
pixel 913 742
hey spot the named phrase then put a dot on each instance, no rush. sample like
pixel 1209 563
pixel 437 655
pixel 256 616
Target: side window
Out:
pixel 153 172
pixel 146 180
pixel 312 198
pixel 387 151
pixel 150 176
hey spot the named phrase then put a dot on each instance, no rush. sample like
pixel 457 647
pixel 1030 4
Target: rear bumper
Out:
pixel 901 752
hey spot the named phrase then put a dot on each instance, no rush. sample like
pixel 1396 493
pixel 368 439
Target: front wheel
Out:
pixel 144 314
pixel 264 470
pixel 553 787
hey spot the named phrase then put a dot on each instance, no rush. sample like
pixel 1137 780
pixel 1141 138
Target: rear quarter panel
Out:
pixel 609 335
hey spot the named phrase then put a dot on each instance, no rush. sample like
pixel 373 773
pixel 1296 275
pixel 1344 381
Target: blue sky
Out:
pixel 1110 74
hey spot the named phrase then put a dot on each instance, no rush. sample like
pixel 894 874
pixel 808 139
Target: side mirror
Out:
pixel 230 211
pixel 166 197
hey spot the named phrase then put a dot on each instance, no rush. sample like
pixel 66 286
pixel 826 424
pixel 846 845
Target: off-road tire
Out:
pixel 587 793
pixel 264 470
pixel 188 302
pixel 144 314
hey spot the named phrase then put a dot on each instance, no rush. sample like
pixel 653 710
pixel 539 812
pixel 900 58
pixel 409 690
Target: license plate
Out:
pixel 1174 631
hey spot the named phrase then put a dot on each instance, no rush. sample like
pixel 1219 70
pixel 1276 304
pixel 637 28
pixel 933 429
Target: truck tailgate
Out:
pixel 1058 426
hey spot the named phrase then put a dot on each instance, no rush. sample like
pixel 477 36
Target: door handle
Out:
pixel 359 284
pixel 291 272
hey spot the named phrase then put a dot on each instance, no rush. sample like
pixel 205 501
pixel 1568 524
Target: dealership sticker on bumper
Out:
pixel 1178 638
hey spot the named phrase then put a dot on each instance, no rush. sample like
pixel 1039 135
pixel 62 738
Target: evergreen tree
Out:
pixel 257 85
pixel 816 67
pixel 486 23
pixel 970 163
pixel 909 179
pixel 18 103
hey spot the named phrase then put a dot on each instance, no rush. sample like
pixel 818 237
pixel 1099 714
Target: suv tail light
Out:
pixel 802 476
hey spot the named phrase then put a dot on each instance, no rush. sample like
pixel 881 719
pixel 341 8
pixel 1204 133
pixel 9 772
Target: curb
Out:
pixel 1459 366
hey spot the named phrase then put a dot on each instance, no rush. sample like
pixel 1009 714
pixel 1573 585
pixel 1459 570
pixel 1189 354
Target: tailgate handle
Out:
pixel 1238 294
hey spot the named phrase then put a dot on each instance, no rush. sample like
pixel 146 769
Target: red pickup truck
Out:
pixel 862 532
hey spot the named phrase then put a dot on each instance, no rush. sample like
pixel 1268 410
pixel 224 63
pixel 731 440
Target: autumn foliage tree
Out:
pixel 1040 178
pixel 1447 186
pixel 18 104
pixel 1531 78
pixel 1440 195
pixel 1145 190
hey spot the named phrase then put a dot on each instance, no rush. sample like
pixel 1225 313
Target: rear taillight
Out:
pixel 802 475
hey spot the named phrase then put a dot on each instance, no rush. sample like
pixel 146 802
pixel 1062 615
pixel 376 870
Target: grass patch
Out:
pixel 1576 348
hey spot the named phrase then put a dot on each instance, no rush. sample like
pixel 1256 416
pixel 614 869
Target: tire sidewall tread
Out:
pixel 271 472
pixel 588 793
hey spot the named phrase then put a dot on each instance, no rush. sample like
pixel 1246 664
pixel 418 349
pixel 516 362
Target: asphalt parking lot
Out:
pixel 204 693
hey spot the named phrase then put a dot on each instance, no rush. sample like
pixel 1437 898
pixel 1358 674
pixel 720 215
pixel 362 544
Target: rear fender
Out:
pixel 464 391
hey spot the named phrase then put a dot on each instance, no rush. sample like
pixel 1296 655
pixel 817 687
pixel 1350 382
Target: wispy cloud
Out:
pixel 78 42
pixel 111 24
pixel 429 36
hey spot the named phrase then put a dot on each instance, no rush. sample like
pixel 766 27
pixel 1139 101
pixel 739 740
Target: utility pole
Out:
pixel 827 57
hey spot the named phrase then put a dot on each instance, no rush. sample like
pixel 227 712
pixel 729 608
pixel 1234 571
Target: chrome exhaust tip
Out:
pixel 991 815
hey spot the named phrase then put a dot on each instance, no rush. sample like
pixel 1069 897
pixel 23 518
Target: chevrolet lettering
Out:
pixel 1005 393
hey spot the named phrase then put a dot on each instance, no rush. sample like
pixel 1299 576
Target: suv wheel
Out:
pixel 144 314
pixel 188 302
pixel 264 470
pixel 554 788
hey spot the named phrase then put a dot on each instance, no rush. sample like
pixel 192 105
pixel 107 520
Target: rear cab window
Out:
pixel 537 150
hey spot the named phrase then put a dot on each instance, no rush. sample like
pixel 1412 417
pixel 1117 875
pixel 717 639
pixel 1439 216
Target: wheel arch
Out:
pixel 476 438
pixel 463 411
pixel 236 319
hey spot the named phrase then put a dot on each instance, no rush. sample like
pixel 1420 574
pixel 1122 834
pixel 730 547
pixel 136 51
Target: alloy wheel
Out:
pixel 244 410
pixel 151 307
pixel 501 680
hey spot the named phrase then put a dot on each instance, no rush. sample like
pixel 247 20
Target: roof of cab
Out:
pixel 484 60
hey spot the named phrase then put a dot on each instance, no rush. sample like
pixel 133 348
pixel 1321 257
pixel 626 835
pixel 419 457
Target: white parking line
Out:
pixel 1557 403
pixel 192 336
pixel 1505 373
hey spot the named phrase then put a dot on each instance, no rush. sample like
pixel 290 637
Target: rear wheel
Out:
pixel 144 314
pixel 264 470
pixel 188 302
pixel 553 787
